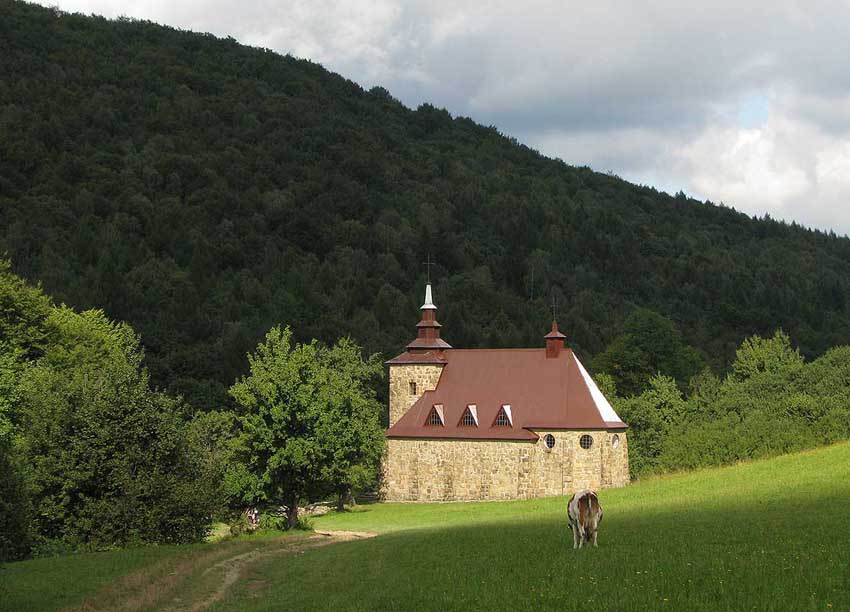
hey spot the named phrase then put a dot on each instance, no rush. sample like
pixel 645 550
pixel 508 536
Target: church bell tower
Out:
pixel 418 369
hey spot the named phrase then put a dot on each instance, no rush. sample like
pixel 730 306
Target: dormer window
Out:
pixel 412 387
pixel 470 416
pixel 435 417
pixel 504 419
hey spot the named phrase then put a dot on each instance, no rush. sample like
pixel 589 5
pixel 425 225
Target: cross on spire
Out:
pixel 554 308
pixel 428 265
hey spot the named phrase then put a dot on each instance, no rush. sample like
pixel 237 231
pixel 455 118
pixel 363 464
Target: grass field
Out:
pixel 770 535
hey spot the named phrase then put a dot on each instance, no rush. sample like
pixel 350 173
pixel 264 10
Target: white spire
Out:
pixel 429 301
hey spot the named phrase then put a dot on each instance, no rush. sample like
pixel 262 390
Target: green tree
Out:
pixel 280 454
pixel 211 437
pixel 759 355
pixel 350 428
pixel 308 420
pixel 107 458
pixel 649 344
pixel 23 315
pixel 23 337
pixel 650 416
pixel 15 509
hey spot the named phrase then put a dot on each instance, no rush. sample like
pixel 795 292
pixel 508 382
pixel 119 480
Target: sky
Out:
pixel 744 103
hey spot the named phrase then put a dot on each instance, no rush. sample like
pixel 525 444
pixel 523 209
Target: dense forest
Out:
pixel 204 191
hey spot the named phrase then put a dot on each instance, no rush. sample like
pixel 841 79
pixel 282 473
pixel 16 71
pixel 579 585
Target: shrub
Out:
pixel 771 403
pixel 108 460
pixel 14 508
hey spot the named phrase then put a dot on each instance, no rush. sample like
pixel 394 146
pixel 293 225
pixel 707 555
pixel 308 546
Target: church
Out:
pixel 490 424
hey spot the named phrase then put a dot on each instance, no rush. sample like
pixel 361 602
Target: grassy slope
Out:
pixel 127 579
pixel 53 582
pixel 770 535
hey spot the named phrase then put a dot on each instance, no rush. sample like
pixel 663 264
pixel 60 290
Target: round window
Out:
pixel 549 439
pixel 615 441
pixel 586 441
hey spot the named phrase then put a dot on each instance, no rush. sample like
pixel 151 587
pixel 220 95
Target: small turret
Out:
pixel 428 329
pixel 554 342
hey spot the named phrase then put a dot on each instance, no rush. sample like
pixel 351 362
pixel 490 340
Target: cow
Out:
pixel 584 514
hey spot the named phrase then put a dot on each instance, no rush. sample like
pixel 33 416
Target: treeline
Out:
pixel 771 402
pixel 92 457
pixel 203 191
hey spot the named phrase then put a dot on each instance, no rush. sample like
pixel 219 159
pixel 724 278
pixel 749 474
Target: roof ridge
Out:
pixel 517 348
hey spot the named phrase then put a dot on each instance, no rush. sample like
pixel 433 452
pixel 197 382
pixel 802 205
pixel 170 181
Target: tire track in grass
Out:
pixel 159 586
pixel 234 567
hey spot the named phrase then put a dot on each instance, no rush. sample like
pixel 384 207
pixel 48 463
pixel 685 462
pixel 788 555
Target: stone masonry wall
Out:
pixel 456 470
pixel 425 377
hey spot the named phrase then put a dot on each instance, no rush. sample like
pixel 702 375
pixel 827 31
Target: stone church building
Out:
pixel 480 424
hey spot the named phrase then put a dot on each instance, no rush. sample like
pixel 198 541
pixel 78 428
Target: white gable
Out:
pixel 606 411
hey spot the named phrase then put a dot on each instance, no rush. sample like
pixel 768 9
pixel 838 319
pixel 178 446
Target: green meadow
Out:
pixel 767 535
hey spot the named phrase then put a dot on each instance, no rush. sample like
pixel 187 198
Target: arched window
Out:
pixel 586 441
pixel 615 441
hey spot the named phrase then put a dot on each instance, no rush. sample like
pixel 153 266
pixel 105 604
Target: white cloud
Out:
pixel 790 167
pixel 746 164
pixel 746 103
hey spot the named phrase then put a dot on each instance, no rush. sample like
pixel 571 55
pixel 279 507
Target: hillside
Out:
pixel 203 191
pixel 735 538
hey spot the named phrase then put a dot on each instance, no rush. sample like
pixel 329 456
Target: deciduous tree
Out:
pixel 309 421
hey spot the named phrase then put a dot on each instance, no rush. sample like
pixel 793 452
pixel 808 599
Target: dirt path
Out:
pixel 164 585
pixel 234 567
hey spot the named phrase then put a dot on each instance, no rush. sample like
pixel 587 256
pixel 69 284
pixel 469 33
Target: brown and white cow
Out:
pixel 585 515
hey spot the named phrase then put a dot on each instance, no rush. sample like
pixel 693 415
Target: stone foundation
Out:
pixel 417 469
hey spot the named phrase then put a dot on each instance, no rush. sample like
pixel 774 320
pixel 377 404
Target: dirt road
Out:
pixel 194 581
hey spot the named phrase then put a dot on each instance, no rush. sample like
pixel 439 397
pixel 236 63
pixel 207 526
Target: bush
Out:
pixel 240 525
pixel 108 460
pixel 273 520
pixel 14 509
pixel 771 403
pixel 210 437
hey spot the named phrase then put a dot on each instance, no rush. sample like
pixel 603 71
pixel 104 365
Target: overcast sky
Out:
pixel 746 104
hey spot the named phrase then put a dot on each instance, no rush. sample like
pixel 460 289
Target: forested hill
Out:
pixel 204 191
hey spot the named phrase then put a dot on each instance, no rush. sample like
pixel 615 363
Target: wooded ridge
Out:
pixel 205 191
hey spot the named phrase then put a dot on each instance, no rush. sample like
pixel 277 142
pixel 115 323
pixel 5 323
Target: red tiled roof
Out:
pixel 544 393
pixel 426 357
pixel 429 343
